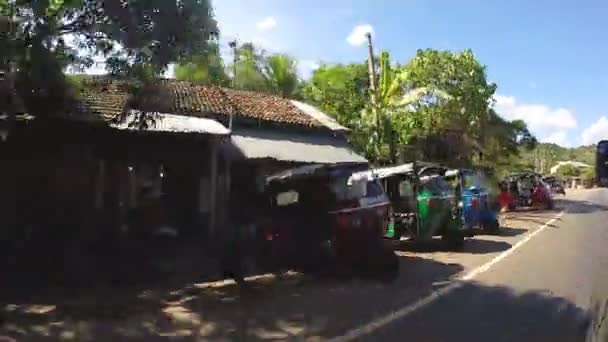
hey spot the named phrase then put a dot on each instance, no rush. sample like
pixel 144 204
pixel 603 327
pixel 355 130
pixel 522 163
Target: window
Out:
pixel 346 192
pixel 470 181
pixel 436 185
pixel 363 191
pixel 287 198
pixel 406 189
pixel 602 148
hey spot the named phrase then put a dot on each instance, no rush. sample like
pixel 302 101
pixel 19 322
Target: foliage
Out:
pixel 342 91
pixel 546 155
pixel 276 73
pixel 588 176
pixel 206 69
pixel 137 37
pixel 435 107
pixel 249 69
pixel 281 74
pixel 569 171
pixel 466 113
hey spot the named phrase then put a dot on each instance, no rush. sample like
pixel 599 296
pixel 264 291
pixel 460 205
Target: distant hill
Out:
pixel 545 155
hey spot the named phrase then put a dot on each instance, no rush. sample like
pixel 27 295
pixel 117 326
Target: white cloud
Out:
pixel 596 132
pixel 558 137
pixel 357 35
pixel 547 123
pixel 266 24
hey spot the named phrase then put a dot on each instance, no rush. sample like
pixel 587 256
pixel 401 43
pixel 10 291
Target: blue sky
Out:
pixel 549 58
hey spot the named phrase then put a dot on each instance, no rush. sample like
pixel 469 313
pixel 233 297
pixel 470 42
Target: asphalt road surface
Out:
pixel 537 280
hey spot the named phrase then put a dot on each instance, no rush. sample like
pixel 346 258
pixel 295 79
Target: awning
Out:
pixel 293 147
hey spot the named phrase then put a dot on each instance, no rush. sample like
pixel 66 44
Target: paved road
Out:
pixel 532 282
pixel 540 292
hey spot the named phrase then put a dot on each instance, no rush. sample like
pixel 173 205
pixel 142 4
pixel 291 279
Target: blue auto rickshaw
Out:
pixel 478 204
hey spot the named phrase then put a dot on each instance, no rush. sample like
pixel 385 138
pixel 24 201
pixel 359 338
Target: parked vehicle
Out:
pixel 555 185
pixel 424 204
pixel 601 163
pixel 479 207
pixel 318 219
pixel 528 190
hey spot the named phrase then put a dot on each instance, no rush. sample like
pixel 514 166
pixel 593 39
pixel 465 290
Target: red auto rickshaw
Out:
pixel 318 218
pixel 525 190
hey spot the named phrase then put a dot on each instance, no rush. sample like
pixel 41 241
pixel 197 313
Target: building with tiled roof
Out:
pixel 107 98
pixel 264 126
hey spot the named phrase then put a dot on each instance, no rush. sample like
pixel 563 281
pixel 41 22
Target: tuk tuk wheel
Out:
pixel 453 241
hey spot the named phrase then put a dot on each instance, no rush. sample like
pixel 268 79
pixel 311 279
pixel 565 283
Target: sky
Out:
pixel 548 58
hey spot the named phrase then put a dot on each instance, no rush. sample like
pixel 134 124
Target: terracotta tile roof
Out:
pixel 107 98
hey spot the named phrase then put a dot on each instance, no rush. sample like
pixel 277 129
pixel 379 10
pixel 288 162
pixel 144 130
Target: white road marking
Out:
pixel 383 321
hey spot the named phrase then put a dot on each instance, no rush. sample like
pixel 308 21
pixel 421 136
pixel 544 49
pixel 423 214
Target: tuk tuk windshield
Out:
pixel 435 185
pixel 358 193
pixel 336 193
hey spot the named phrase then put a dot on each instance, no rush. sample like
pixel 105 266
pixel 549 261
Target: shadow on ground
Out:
pixel 471 246
pixel 537 217
pixel 274 309
pixel 477 312
pixel 583 207
pixel 503 231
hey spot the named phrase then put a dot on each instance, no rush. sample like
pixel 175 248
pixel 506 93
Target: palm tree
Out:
pixel 281 74
pixel 249 70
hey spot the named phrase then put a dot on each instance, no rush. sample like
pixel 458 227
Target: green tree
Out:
pixel 137 37
pixel 569 171
pixel 463 78
pixel 342 91
pixel 588 176
pixel 281 74
pixel 249 69
pixel 206 69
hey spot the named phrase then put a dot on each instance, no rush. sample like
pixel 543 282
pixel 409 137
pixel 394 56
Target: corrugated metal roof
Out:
pixel 318 115
pixel 262 144
pixel 170 123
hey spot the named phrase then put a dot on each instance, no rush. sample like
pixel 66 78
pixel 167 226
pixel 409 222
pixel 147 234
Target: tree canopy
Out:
pixel 254 70
pixel 437 106
pixel 135 37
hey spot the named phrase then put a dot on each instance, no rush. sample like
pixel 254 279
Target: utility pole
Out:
pixel 372 68
pixel 235 59
pixel 372 87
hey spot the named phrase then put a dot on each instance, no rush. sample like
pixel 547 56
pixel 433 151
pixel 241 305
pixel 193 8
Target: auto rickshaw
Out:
pixel 318 219
pixel 555 185
pixel 479 207
pixel 424 204
pixel 528 190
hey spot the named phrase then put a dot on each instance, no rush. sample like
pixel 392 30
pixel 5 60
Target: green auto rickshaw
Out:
pixel 424 204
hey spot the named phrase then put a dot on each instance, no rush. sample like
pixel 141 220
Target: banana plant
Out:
pixel 395 99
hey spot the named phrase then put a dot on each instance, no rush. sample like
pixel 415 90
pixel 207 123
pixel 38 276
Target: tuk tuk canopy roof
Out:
pixel 456 172
pixel 316 170
pixel 417 168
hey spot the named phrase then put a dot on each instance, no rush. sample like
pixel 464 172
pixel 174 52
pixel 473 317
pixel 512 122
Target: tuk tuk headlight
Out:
pixel 460 204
